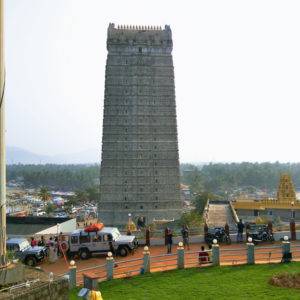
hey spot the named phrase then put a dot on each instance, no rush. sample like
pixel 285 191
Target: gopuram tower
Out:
pixel 286 191
pixel 140 165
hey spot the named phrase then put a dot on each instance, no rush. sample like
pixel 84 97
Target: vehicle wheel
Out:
pixel 84 254
pixel 123 251
pixel 30 261
pixel 136 243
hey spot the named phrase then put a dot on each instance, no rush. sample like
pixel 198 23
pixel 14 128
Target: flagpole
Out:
pixel 2 145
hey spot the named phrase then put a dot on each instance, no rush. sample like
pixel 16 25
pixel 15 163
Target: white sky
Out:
pixel 237 72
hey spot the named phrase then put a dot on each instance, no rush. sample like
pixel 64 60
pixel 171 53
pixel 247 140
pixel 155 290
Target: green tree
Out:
pixel 92 193
pixel 71 202
pixel 44 194
pixel 50 207
pixel 191 219
pixel 201 199
pixel 81 196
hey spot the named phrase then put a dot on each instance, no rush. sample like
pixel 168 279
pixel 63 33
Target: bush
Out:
pixel 191 219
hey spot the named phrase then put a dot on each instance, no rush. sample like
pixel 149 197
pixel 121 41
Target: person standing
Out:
pixel 42 242
pixel 110 243
pixel 203 256
pixel 139 223
pixel 226 229
pixel 33 242
pixel 49 242
pixel 240 227
pixel 185 236
pixel 148 236
pixel 169 240
pixel 52 253
pixel 56 245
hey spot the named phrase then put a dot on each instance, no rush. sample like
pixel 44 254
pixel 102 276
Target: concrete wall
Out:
pixel 284 214
pixel 56 290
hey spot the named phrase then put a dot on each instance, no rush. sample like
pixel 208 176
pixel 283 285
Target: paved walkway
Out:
pixel 229 255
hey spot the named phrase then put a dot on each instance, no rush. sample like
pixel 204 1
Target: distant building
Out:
pixel 140 163
pixel 185 194
pixel 285 205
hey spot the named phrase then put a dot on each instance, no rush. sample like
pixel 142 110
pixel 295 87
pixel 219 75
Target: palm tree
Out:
pixel 44 194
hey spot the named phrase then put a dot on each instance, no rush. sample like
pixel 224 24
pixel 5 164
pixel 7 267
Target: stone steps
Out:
pixel 220 214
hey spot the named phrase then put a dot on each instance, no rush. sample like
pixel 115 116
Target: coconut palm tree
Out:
pixel 44 194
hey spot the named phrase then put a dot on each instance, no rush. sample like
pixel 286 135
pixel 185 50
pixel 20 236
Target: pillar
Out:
pixel 215 254
pixel 250 252
pixel 286 245
pixel 146 260
pixel 72 274
pixel 286 250
pixel 180 256
pixel 110 263
pixel 90 281
pixel 2 146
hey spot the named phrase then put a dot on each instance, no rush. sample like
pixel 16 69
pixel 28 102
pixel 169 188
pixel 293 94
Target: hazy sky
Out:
pixel 237 74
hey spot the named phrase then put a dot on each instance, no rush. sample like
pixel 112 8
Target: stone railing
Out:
pixel 234 214
pixel 246 253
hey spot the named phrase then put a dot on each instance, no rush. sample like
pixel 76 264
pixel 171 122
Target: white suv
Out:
pixel 107 239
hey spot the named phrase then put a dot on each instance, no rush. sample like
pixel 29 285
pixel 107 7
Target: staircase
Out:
pixel 218 214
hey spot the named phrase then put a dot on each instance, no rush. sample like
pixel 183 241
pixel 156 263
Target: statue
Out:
pixel 130 227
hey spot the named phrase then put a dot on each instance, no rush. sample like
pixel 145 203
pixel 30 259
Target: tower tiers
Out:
pixel 140 165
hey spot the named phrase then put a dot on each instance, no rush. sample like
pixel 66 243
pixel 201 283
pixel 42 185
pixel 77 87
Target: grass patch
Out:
pixel 238 282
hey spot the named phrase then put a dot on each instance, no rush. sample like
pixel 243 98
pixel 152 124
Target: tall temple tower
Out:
pixel 286 191
pixel 140 164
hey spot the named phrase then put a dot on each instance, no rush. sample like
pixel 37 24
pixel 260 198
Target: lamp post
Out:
pixel 2 146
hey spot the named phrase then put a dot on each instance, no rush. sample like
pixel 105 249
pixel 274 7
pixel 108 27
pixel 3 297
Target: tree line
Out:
pixel 214 177
pixel 225 177
pixel 61 177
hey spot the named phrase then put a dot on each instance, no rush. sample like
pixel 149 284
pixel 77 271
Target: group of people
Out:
pixel 53 245
pixel 204 255
pixel 169 238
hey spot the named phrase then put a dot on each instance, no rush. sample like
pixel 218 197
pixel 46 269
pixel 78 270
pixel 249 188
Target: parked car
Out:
pixel 259 233
pixel 38 212
pixel 24 252
pixel 107 239
pixel 61 215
